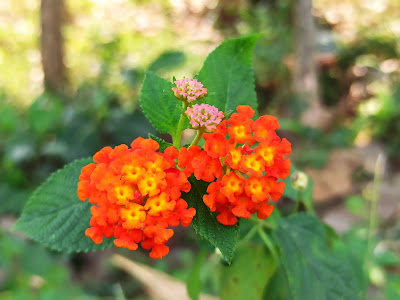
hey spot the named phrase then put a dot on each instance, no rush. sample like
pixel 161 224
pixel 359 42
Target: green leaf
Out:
pixel 163 144
pixel 392 288
pixel 387 259
pixel 206 225
pixel 352 250
pixel 193 283
pixel 54 215
pixel 45 113
pixel 278 287
pixel 228 75
pixel 306 195
pixel 357 205
pixel 8 119
pixel 167 60
pixel 312 269
pixel 158 103
pixel 248 275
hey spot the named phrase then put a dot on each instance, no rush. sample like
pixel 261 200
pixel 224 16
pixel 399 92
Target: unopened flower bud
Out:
pixel 189 90
pixel 299 180
pixel 204 116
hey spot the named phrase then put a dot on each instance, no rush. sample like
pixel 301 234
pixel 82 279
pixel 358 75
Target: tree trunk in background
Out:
pixel 305 78
pixel 52 44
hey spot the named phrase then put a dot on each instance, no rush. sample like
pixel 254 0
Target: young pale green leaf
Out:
pixel 163 144
pixel 312 269
pixel 206 225
pixel 248 275
pixel 228 75
pixel 54 215
pixel 158 103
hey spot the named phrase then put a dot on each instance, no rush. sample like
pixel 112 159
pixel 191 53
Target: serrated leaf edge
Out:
pixel 37 191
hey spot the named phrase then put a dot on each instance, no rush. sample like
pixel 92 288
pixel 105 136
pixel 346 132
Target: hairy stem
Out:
pixel 268 243
pixel 198 137
pixel 178 135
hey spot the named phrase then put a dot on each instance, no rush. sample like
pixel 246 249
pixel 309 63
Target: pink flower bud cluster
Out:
pixel 189 90
pixel 205 116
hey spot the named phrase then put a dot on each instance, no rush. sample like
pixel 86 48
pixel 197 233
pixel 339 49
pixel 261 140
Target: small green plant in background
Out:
pixel 226 189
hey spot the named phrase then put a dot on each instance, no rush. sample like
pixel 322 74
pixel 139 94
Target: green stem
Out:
pixel 249 235
pixel 198 137
pixel 262 223
pixel 178 134
pixel 299 199
pixel 268 243
pixel 373 213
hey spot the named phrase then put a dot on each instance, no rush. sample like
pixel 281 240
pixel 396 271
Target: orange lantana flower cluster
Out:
pixel 136 195
pixel 246 158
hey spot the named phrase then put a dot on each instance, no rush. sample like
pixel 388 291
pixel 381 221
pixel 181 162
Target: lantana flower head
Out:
pixel 135 194
pixel 204 116
pixel 189 90
pixel 243 159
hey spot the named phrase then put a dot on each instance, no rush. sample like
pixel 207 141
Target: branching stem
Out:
pixel 198 137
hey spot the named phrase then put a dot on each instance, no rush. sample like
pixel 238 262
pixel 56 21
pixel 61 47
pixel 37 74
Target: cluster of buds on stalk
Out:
pixel 204 116
pixel 189 90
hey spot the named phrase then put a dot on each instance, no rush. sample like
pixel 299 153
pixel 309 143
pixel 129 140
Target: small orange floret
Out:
pixel 254 164
pixel 181 214
pixel 195 161
pixel 285 147
pixel 283 168
pixel 127 238
pixel 234 157
pixel 264 128
pixel 226 217
pixel 215 144
pixel 83 190
pixel 87 171
pixel 245 110
pixel 186 155
pixel 257 189
pixel 206 168
pixel 240 132
pixel 136 195
pixel 267 152
pixel 215 199
pixel 159 251
pixel 151 184
pixel 133 173
pixel 277 190
pixel 232 185
pixel 171 152
pixel 264 210
pixel 149 145
pixel 159 204
pixel 95 234
pixel 118 152
pixel 242 206
pixel 133 216
pixel 121 193
pixel 102 176
pixel 103 156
